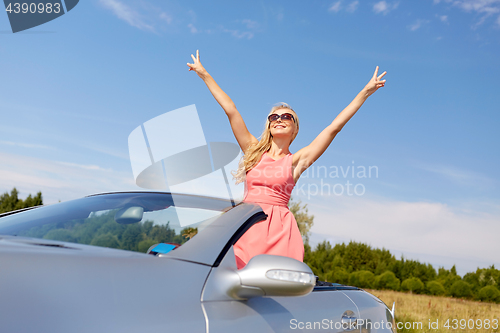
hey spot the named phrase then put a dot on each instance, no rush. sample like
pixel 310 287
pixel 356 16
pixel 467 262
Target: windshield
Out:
pixel 129 221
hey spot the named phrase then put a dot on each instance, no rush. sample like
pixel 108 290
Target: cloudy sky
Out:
pixel 424 149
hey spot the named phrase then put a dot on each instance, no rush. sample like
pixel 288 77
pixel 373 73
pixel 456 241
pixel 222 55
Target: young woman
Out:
pixel 270 171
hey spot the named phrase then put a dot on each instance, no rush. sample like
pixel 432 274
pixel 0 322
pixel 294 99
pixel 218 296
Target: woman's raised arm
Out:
pixel 308 155
pixel 243 136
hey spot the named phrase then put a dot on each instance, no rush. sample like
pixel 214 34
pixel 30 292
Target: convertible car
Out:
pixel 77 266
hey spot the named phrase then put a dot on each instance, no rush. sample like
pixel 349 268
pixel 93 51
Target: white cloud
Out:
pixel 417 25
pixel 84 166
pixel 486 8
pixel 166 17
pixel 250 24
pixel 351 8
pixel 380 7
pixel 127 14
pixel 59 180
pixel 240 34
pixel 192 15
pixel 384 7
pixel 25 145
pixel 248 32
pixel 335 7
pixel 480 6
pixel 192 28
pixel 457 175
pixel 430 228
pixel 444 18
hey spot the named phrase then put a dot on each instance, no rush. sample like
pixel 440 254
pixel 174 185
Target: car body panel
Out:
pixel 319 310
pixel 54 289
pixel 311 313
pixel 373 312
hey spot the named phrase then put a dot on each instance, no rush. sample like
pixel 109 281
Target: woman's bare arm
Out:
pixel 308 155
pixel 243 136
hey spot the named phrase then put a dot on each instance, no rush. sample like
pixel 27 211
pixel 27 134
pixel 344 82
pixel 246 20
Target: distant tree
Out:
pixel 435 288
pixel 62 235
pixel 407 268
pixel 106 240
pixel 304 220
pixel 362 279
pixel 448 277
pixel 131 237
pixel 482 277
pixel 413 285
pixel 460 289
pixel 144 245
pixel 489 294
pixel 338 276
pixel 387 280
pixel 10 202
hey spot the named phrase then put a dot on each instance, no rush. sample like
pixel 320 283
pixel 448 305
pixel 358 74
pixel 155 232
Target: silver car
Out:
pixel 69 267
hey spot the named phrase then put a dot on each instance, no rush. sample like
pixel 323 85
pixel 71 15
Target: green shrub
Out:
pixel 489 294
pixel 387 280
pixel 106 240
pixel 460 289
pixel 60 235
pixel 413 285
pixel 339 275
pixel 144 245
pixel 361 279
pixel 435 288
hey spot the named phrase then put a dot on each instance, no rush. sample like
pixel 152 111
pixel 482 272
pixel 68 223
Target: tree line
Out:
pixel 355 264
pixel 10 202
pixel 360 265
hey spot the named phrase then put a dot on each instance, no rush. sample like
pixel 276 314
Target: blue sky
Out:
pixel 73 89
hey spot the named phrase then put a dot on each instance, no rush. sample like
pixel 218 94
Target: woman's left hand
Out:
pixel 375 82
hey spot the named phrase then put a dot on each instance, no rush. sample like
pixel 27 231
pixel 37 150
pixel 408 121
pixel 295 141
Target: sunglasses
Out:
pixel 285 116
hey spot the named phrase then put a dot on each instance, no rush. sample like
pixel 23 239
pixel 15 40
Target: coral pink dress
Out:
pixel 270 184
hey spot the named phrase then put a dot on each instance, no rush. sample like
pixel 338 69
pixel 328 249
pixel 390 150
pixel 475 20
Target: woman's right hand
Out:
pixel 240 131
pixel 197 66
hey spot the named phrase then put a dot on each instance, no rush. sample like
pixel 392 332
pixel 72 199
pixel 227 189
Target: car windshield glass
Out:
pixel 129 221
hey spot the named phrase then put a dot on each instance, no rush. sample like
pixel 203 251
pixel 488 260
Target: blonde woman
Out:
pixel 270 171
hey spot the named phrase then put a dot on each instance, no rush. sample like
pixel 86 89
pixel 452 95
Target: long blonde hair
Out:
pixel 254 153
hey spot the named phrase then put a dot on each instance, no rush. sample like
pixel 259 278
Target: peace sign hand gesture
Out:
pixel 197 66
pixel 375 82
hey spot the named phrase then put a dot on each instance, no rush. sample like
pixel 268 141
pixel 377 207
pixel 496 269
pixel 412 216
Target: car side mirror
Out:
pixel 270 275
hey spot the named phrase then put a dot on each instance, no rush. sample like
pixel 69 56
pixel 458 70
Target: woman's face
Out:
pixel 283 127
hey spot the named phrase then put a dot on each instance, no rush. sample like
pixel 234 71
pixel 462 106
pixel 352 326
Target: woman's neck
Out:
pixel 279 148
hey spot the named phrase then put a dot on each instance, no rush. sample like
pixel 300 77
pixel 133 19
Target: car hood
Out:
pixel 15 244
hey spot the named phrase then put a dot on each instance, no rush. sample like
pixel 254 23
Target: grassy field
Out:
pixel 423 313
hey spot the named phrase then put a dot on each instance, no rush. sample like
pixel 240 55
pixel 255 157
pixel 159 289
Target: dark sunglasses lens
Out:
pixel 273 117
pixel 284 116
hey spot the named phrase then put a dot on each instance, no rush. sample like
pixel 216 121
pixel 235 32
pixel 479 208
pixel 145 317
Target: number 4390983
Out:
pixel 33 8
